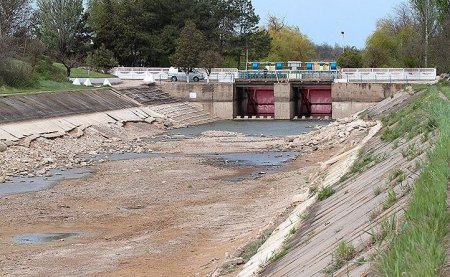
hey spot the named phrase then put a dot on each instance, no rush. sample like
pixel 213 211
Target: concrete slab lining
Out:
pixel 60 126
pixel 47 105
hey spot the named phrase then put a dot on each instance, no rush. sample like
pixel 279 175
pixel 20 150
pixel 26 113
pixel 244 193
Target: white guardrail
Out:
pixel 229 75
pixel 139 73
pixel 223 75
pixel 387 74
pixel 288 75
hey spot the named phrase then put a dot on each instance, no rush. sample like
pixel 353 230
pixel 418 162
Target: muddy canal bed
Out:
pixel 261 161
pixel 173 208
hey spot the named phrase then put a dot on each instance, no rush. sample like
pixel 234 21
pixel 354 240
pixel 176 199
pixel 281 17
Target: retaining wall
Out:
pixel 216 98
pixel 351 98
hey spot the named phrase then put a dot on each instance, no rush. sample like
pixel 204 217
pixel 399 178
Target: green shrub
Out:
pixel 398 175
pixel 325 193
pixel 390 200
pixel 47 71
pixel 101 59
pixel 15 73
pixel 343 254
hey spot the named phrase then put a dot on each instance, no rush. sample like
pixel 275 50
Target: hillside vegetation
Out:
pixel 420 249
pixel 19 76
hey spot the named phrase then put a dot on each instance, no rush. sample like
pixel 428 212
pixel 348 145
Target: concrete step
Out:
pixel 148 95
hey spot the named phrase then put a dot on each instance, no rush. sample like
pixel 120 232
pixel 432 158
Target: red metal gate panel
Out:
pixel 261 101
pixel 319 98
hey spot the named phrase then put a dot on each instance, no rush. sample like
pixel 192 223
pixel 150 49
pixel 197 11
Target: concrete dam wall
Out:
pixel 225 100
pixel 351 98
pixel 284 101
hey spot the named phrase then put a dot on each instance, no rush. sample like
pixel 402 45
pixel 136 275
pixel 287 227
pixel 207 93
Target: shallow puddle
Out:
pixel 127 156
pixel 258 158
pixel 42 237
pixel 252 165
pixel 22 184
pixel 270 128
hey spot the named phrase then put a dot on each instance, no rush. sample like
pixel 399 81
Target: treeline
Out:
pixel 107 33
pixel 417 34
pixel 197 33
pixel 145 32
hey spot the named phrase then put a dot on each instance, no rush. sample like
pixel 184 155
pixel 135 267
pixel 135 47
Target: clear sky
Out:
pixel 323 20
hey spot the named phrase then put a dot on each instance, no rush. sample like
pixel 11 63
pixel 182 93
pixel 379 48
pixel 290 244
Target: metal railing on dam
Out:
pixel 222 75
pixel 344 75
pixel 288 75
pixel 387 75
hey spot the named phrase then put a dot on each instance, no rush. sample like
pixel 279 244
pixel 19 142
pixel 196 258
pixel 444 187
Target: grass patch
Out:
pixel 44 86
pixel 390 200
pixel 280 254
pixel 252 248
pixel 387 228
pixel 304 216
pixel 84 73
pixel 374 214
pixel 377 191
pixel 285 249
pixel 398 175
pixel 325 193
pixel 47 77
pixel 413 120
pixel 411 152
pixel 420 249
pixel 344 253
pixel 365 160
pixel 361 261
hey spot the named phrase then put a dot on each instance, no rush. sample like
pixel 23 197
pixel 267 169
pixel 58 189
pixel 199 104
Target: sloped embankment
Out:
pixel 46 105
pixel 362 215
pixel 51 115
pixel 417 247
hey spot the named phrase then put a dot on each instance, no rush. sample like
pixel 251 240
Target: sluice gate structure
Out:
pixel 295 94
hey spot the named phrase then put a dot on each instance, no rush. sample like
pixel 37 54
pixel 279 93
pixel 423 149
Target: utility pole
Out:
pixel 427 35
pixel 246 59
pixel 343 42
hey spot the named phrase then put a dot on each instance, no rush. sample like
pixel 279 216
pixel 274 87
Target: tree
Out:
pixel 14 14
pixel 381 50
pixel 443 7
pixel 241 23
pixel 62 28
pixel 188 48
pixel 259 44
pixel 288 43
pixel 144 32
pixel 209 60
pixel 14 18
pixel 351 58
pixel 101 59
pixel 326 52
pixel 439 48
pixel 427 14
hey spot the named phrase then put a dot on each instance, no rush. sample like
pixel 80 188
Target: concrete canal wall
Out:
pixel 290 100
pixel 351 98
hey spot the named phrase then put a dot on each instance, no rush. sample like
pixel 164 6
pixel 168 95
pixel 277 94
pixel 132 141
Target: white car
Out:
pixel 176 74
